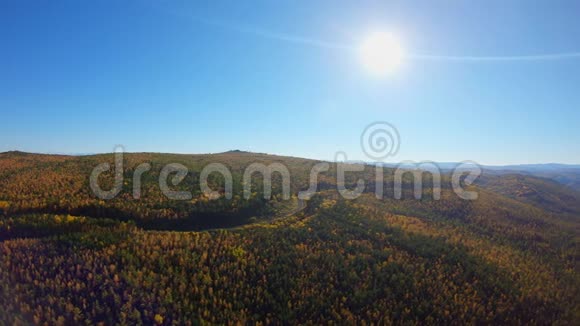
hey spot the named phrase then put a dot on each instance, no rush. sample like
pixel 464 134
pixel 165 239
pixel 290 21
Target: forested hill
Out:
pixel 541 192
pixel 68 257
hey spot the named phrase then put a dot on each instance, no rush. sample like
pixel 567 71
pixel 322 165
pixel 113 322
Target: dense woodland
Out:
pixel 69 258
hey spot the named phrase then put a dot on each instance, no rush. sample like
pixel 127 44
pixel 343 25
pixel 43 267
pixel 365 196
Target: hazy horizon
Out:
pixel 573 165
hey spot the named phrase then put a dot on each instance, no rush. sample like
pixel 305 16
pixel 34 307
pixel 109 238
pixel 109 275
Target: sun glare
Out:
pixel 381 53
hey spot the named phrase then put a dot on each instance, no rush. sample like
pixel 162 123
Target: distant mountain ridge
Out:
pixel 565 174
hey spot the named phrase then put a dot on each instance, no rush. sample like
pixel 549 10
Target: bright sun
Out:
pixel 381 53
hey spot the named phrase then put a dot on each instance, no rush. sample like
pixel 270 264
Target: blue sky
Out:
pixel 265 76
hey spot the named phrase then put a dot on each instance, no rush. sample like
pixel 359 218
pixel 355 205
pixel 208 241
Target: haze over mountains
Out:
pixel 566 174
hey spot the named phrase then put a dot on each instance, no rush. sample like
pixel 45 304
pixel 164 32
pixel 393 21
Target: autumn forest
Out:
pixel 69 258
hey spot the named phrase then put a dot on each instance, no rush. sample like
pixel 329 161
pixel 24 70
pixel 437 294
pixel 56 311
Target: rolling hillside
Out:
pixel 67 257
pixel 541 192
